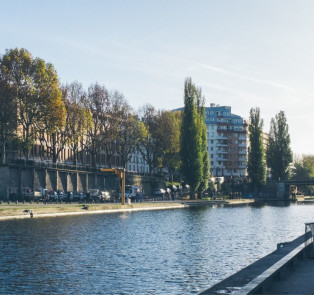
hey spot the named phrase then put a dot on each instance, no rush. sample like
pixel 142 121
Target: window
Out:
pixel 211 148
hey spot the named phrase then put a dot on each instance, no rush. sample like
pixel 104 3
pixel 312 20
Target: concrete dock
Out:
pixel 288 270
pixel 297 280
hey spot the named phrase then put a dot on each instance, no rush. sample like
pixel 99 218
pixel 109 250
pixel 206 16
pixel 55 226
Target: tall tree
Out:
pixel 168 138
pixel 78 120
pixel 118 110
pixel 36 89
pixel 303 167
pixel 200 103
pixel 256 156
pixel 279 154
pixel 124 124
pixel 97 102
pixel 148 144
pixel 205 157
pixel 191 138
pixel 7 116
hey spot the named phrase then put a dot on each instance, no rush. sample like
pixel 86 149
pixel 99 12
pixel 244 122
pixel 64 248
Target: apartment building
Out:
pixel 227 141
pixel 137 163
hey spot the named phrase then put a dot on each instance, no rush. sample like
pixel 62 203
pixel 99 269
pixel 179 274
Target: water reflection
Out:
pixel 151 252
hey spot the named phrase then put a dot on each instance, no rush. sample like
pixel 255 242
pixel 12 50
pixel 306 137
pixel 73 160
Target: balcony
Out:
pixel 222 152
pixel 221 159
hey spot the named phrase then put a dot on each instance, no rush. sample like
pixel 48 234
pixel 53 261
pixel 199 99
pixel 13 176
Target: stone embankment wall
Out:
pixel 15 179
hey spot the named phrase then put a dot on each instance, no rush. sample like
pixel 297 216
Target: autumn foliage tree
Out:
pixel 168 138
pixel 36 94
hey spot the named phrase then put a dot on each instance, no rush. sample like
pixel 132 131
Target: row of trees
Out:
pixel 278 154
pixel 35 108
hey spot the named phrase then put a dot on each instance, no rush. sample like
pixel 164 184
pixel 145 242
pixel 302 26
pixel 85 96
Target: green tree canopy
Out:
pixel 256 156
pixel 148 144
pixel 279 154
pixel 303 168
pixel 168 138
pixel 192 137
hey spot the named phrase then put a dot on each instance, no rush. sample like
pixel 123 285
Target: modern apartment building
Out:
pixel 227 141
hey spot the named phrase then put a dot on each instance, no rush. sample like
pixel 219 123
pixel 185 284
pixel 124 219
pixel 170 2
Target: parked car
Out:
pixel 53 196
pixel 104 196
pixel 173 188
pixel 79 197
pixel 159 192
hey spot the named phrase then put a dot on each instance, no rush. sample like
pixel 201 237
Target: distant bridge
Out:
pixel 299 182
pixel 283 188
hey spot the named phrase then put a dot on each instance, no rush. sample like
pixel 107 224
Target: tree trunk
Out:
pixel 54 150
pixel 3 156
pixel 74 157
pixel 192 193
pixel 93 156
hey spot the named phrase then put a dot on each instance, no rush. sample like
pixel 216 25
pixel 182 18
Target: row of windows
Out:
pixel 137 159
pixel 138 168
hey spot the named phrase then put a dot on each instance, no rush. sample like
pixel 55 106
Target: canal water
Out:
pixel 181 251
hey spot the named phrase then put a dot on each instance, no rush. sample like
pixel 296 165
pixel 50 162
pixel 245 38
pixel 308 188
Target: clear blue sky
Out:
pixel 241 53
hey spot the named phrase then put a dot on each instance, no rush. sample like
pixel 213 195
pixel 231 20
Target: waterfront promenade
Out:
pixel 20 210
pixel 296 281
pixel 288 270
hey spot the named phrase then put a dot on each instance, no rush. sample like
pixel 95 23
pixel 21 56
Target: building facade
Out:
pixel 227 141
pixel 137 163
